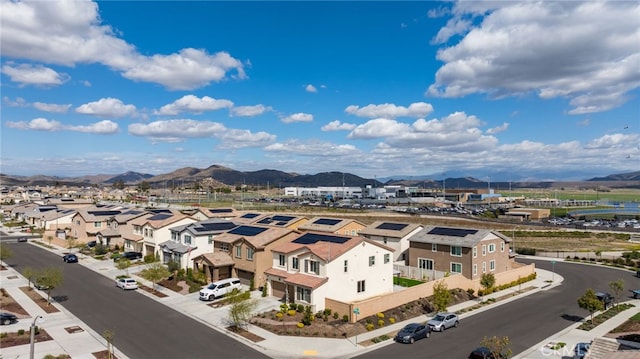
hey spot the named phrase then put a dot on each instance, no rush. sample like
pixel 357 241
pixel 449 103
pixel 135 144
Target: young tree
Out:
pixel 49 239
pixel 5 252
pixel 50 278
pixel 240 309
pixel 617 287
pixel 590 302
pixel 487 281
pixel 124 264
pixel 441 296
pixel 154 272
pixel 108 336
pixel 29 273
pixel 498 346
pixel 72 242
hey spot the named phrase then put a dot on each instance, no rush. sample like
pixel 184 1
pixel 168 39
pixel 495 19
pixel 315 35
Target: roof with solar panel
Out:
pixel 464 237
pixel 279 220
pixel 389 229
pixel 327 224
pixel 158 219
pixel 258 236
pixel 205 228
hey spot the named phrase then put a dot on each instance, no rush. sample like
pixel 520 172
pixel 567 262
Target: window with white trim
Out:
pixel 492 265
pixel 484 250
pixel 294 263
pixel 224 247
pixel 238 252
pixel 187 239
pixel 372 261
pixel 475 252
pixel 456 251
pixel 250 253
pixel 456 267
pixel 501 246
pixel 434 247
pixel 209 239
pixel 303 294
pixel 475 269
pixel 281 260
pixel 361 286
pixel 484 267
pixel 492 247
pixel 424 263
pixel 387 257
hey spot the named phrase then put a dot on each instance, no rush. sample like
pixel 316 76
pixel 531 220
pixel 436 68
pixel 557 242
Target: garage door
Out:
pixel 277 289
pixel 245 277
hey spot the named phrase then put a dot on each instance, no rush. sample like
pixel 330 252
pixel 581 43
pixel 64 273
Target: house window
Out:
pixel 492 247
pixel 501 246
pixel 174 236
pixel 456 251
pixel 475 269
pixel 434 247
pixel 238 252
pixel 314 267
pixel 281 260
pixel 361 286
pixel 484 267
pixel 424 263
pixel 249 253
pixel 387 258
pixel 353 232
pixel 475 252
pixel 372 261
pixel 492 265
pixel 224 247
pixel 303 294
pixel 97 224
pixel 384 240
pixel 146 232
pixel 209 239
pixel 456 267
pixel 484 250
pixel 187 239
pixel 77 222
pixel 346 266
pixel 294 263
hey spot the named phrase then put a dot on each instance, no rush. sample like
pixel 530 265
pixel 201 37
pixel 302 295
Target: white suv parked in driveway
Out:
pixel 219 288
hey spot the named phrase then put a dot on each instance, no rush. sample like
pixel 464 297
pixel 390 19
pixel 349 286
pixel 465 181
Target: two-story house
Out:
pixel 392 234
pixel 118 228
pixel 471 252
pixel 249 247
pixel 341 226
pixel 86 223
pixel 280 220
pixel 188 241
pixel 154 228
pixel 203 213
pixel 316 266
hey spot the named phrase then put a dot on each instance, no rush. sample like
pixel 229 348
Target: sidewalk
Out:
pixel 275 346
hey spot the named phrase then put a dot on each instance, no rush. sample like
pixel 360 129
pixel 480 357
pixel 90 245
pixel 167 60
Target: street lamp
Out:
pixel 33 333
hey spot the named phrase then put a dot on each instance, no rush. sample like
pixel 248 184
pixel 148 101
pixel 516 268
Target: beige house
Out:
pixel 154 228
pixel 87 223
pixel 341 226
pixel 471 252
pixel 244 252
pixel 281 220
pixel 392 234
pixel 202 214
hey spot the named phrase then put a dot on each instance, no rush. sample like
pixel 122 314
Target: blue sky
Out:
pixel 493 90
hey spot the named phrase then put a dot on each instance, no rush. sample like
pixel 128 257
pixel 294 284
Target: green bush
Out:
pixel 345 318
pixel 100 249
pixel 526 251
pixel 149 258
pixel 335 315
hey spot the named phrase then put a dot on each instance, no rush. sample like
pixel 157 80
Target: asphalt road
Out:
pixel 526 321
pixel 143 328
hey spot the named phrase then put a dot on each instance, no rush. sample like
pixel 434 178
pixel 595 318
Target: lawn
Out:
pixel 405 282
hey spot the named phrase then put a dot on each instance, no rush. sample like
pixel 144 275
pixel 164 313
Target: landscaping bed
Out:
pixel 603 317
pixel 629 330
pixel 8 304
pixel 39 300
pixel 22 337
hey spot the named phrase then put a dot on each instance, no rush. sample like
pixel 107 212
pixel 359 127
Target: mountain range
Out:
pixel 268 178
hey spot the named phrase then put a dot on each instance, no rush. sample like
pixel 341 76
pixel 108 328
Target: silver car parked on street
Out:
pixel 443 321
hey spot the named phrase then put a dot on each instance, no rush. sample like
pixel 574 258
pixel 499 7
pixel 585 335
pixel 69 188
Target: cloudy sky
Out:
pixel 500 90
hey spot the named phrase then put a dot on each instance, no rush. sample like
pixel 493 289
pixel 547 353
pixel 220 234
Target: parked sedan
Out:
pixel 7 318
pixel 126 283
pixel 412 332
pixel 481 353
pixel 443 321
pixel 23 239
pixel 128 255
pixel 636 293
pixel 70 258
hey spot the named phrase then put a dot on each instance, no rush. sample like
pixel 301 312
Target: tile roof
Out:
pixel 327 224
pixel 215 259
pixel 299 279
pixel 464 237
pixel 261 240
pixel 385 229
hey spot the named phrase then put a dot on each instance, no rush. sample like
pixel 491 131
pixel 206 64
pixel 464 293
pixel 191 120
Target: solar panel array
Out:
pixel 159 217
pixel 280 218
pixel 392 226
pixel 327 221
pixel 250 215
pixel 103 213
pixel 247 231
pixel 160 211
pixel 209 227
pixel 220 210
pixel 453 232
pixel 310 238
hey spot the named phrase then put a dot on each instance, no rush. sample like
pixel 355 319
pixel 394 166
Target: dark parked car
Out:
pixel 636 293
pixel 484 353
pixel 605 298
pixel 22 239
pixel 7 318
pixel 70 258
pixel 129 255
pixel 91 244
pixel 581 350
pixel 412 332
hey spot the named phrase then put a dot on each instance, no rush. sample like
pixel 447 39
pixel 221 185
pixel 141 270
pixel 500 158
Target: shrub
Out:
pixel 327 311
pixel 345 318
pixel 526 251
pixel 100 249
pixel 291 312
pixel 336 315
pixel 264 290
pixel 369 327
pixel 279 315
pixel 3 335
pixel 300 325
pixel 380 315
pixel 392 320
pixel 381 322
pixel 20 331
pixel 284 307
pixel 471 291
pixel 149 258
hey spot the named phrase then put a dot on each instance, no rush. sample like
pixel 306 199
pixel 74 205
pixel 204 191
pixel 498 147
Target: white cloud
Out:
pixel 107 107
pixel 176 130
pixel 388 110
pixel 497 129
pixel 297 117
pixel 26 74
pixel 314 148
pixel 193 104
pixel 105 127
pixel 234 138
pixel 338 126
pixel 52 107
pixel 585 51
pixel 18 102
pixel 379 128
pixel 249 111
pixel 311 88
pixel 584 123
pixel 70 33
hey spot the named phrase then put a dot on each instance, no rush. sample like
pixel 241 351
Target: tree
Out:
pixel 71 243
pixel 29 273
pixel 5 252
pixel 108 336
pixel 590 302
pixel 441 296
pixel 154 272
pixel 617 287
pixel 124 264
pixel 498 346
pixel 49 239
pixel 487 281
pixel 50 278
pixel 240 309
pixel 118 184
pixel 144 187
